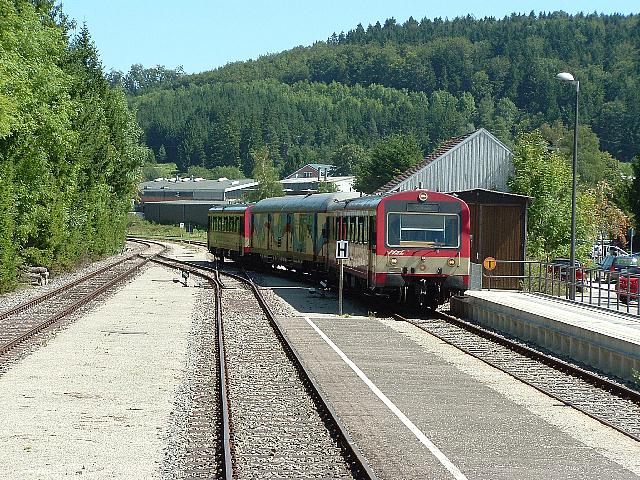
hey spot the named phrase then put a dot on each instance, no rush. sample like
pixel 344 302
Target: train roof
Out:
pixel 235 208
pixel 317 202
pixel 369 202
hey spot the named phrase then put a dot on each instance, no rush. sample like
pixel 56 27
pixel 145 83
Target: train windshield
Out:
pixel 423 230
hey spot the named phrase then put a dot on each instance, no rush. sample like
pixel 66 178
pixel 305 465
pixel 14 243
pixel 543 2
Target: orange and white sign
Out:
pixel 489 263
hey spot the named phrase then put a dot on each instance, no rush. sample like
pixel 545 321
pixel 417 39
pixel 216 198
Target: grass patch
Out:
pixel 138 227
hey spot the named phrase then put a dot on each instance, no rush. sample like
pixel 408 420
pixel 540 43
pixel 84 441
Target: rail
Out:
pixel 24 330
pixel 596 287
pixel 212 277
pixel 354 455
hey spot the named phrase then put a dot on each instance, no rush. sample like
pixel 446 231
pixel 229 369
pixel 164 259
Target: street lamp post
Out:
pixel 567 77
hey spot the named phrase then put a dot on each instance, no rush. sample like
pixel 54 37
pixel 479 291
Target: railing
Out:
pixel 593 286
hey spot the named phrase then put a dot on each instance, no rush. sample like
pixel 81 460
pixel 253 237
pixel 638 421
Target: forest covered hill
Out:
pixel 431 79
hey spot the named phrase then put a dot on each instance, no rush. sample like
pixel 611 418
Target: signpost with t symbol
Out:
pixel 342 253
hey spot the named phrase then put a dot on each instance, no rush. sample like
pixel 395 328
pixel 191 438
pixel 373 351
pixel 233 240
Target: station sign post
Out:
pixel 342 253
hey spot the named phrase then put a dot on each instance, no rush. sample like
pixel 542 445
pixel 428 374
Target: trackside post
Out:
pixel 342 252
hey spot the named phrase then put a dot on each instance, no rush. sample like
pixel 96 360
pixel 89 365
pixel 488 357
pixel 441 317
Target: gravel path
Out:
pixel 96 400
pixel 193 447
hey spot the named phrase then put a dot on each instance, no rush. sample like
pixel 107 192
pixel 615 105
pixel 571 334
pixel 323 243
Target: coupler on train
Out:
pixel 429 292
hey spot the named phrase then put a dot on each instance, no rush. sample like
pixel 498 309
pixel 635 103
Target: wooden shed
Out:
pixel 499 229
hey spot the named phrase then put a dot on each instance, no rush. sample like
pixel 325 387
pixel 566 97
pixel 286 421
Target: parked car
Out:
pixel 627 287
pixel 558 268
pixel 622 263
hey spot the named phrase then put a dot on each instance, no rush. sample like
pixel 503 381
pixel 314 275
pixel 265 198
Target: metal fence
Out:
pixel 593 286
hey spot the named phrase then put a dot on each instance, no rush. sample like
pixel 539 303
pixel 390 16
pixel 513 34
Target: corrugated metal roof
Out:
pixel 190 185
pixel 493 192
pixel 189 202
pixel 309 203
pixel 369 202
pixel 474 160
pixel 236 208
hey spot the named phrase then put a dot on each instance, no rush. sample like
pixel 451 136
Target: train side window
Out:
pixel 372 231
pixel 365 232
pixel 354 223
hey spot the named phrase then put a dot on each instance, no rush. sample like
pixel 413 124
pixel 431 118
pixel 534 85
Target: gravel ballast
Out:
pixel 277 431
pixel 97 399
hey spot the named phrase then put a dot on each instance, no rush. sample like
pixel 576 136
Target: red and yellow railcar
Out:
pixel 414 246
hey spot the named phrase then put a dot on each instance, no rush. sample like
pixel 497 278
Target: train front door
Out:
pixel 371 246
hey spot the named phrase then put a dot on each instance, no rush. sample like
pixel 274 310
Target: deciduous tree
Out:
pixel 265 173
pixel 545 176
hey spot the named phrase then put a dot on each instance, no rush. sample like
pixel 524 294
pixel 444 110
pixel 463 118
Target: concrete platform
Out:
pixel 605 340
pixel 421 409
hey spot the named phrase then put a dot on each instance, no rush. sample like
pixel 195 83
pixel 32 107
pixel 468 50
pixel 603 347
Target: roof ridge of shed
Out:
pixel 443 148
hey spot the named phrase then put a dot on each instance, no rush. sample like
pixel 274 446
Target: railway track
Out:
pixel 277 423
pixel 603 399
pixel 24 321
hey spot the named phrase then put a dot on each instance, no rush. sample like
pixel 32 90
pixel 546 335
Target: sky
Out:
pixel 201 35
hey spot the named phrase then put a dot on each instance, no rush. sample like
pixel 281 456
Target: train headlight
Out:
pixel 422 196
pixel 423 259
pixel 451 262
pixel 393 261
